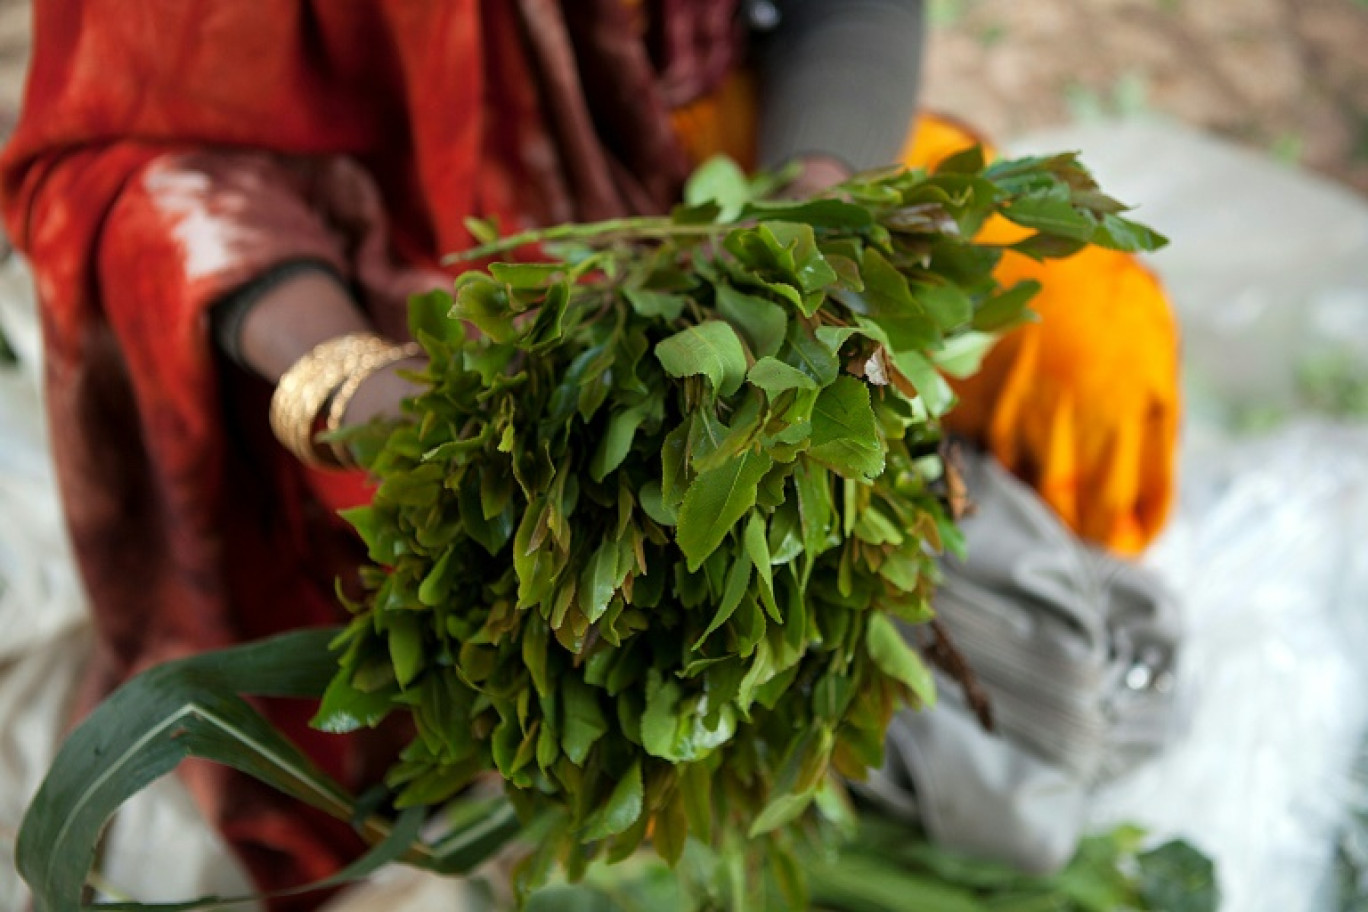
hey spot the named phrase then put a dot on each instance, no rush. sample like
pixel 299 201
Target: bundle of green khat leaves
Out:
pixel 649 548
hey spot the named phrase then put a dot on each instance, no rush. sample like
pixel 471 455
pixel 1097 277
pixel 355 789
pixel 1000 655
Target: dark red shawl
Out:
pixel 191 527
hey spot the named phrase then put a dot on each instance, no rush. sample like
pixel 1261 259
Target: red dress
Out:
pixel 170 151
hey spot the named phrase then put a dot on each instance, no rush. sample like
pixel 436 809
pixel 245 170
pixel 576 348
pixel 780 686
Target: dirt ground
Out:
pixel 1287 76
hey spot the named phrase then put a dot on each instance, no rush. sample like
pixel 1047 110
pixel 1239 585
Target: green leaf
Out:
pixel 702 214
pixel 430 314
pixel 379 538
pixel 710 348
pixel 814 507
pixel 947 303
pixel 810 356
pixel 1176 877
pixel 583 721
pixel 657 304
pixel 819 213
pixel 802 772
pixel 892 306
pixel 774 377
pixel 845 435
pixel 696 787
pixel 674 476
pixel 935 393
pixel 660 721
pixel 535 642
pixel 719 180
pixel 433 590
pixel 671 829
pixel 1006 309
pixel 796 251
pixel 484 231
pixel 492 532
pixel 748 625
pixel 616 442
pixel 1117 233
pixel 549 326
pixel 601 578
pixel 346 708
pixel 757 549
pixel 874 528
pixel 833 337
pixel 405 646
pixel 534 566
pixel 894 657
pixel 526 275
pixel 1052 212
pixel 483 301
pixel 762 322
pixel 653 504
pixel 738 580
pixel 832 695
pixel 968 161
pixel 963 355
pixel 780 810
pixel 1048 246
pixel 621 810
pixel 715 501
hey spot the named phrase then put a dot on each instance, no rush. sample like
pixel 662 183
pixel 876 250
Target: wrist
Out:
pixel 380 394
pixel 318 389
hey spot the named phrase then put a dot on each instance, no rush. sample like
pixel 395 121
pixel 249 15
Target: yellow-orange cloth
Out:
pixel 1083 405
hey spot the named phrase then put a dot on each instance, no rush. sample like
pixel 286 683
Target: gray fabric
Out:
pixel 978 793
pixel 840 79
pixel 1075 649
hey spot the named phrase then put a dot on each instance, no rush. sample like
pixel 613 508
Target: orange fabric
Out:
pixel 722 122
pixel 935 137
pixel 1083 405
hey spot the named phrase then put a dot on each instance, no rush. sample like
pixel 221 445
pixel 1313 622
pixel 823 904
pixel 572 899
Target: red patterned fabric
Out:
pixel 168 152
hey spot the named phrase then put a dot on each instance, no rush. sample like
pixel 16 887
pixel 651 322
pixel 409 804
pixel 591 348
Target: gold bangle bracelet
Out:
pixel 303 392
pixel 371 362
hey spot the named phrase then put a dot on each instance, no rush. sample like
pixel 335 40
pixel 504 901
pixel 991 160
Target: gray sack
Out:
pixel 1076 651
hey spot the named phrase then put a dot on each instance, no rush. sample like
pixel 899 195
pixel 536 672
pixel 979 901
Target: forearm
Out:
pixel 840 81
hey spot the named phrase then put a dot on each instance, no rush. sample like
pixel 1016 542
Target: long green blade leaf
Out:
pixel 189 708
pixel 133 738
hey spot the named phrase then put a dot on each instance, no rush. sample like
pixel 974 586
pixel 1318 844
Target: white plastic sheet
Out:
pixel 42 612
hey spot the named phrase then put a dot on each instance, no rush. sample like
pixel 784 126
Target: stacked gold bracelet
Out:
pixel 326 379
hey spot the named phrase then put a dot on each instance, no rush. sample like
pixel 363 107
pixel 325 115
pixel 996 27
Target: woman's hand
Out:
pixel 380 395
pixel 819 172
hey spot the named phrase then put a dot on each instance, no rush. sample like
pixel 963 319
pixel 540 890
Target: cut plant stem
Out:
pixel 636 228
